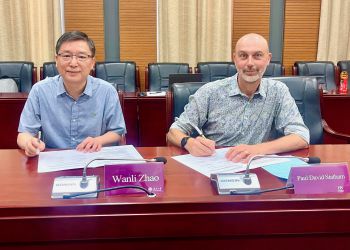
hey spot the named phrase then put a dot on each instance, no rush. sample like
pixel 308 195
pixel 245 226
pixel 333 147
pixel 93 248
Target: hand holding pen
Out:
pixel 38 141
pixel 199 146
pixel 33 145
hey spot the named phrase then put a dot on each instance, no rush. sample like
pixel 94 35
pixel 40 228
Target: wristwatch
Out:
pixel 184 141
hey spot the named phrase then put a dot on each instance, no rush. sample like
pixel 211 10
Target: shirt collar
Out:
pixel 236 91
pixel 87 91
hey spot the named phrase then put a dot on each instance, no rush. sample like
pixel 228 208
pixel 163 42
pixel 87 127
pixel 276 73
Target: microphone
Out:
pixel 248 180
pixel 87 186
pixel 84 181
pixel 248 183
pixel 74 195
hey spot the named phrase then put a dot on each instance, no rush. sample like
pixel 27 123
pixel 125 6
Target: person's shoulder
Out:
pixel 102 83
pixel 46 83
pixel 101 88
pixel 275 84
pixel 219 84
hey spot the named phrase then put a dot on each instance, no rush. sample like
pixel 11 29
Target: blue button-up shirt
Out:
pixel 66 122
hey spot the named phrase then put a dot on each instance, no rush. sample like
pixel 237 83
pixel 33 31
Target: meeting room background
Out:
pixel 189 31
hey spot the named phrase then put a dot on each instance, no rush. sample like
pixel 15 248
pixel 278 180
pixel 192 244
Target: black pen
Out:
pixel 200 132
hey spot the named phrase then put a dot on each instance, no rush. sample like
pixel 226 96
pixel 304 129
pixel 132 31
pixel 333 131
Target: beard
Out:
pixel 252 78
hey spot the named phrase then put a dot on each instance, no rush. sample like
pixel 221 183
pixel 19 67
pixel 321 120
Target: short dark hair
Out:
pixel 76 36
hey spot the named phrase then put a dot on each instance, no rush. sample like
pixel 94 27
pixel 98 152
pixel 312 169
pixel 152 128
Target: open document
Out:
pixel 72 159
pixel 217 163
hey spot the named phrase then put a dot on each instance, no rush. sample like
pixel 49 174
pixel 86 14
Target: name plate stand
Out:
pixel 148 175
pixel 320 179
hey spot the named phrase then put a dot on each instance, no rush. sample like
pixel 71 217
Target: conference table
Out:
pixel 188 215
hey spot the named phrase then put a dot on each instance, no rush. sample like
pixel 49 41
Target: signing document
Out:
pixel 217 163
pixel 72 159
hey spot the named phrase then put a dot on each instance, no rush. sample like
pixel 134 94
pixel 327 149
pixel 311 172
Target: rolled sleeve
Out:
pixel 194 113
pixel 30 120
pixel 289 119
pixel 113 112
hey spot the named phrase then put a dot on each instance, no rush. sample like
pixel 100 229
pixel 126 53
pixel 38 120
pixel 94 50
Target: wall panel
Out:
pixel 87 16
pixel 302 20
pixel 250 17
pixel 138 32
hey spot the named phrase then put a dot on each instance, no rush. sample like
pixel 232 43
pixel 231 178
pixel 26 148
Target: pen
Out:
pixel 39 138
pixel 200 132
pixel 193 126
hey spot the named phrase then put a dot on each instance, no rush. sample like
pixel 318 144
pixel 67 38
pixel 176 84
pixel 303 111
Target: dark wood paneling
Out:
pixel 138 33
pixel 301 26
pixel 250 17
pixel 87 16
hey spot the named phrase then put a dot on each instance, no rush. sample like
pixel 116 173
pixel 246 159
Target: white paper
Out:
pixel 217 163
pixel 73 159
pixel 156 93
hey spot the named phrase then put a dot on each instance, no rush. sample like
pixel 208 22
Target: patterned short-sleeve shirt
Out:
pixel 228 117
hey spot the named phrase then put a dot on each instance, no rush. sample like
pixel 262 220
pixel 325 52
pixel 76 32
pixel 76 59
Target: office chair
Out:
pixel 306 94
pixel 177 98
pixel 24 73
pixel 274 69
pixel 180 78
pixel 157 74
pixel 48 69
pixel 212 71
pixel 122 75
pixel 324 71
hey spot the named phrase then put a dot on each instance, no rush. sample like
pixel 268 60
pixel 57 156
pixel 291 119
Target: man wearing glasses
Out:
pixel 72 109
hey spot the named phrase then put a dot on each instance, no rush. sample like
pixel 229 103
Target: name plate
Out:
pixel 148 175
pixel 320 179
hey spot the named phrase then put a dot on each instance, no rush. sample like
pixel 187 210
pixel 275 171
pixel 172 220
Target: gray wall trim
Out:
pixel 111 33
pixel 276 29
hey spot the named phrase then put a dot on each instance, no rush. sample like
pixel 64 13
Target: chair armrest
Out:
pixel 333 133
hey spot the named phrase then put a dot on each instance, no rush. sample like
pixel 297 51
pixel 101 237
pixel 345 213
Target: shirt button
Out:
pixel 73 139
pixel 73 120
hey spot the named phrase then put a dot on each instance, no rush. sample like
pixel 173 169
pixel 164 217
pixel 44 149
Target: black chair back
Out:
pixel 323 71
pixel 20 71
pixel 122 75
pixel 274 69
pixel 181 93
pixel 213 71
pixel 180 78
pixel 306 94
pixel 158 74
pixel 49 70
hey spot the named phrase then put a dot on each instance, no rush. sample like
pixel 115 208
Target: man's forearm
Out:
pixel 175 136
pixel 284 144
pixel 109 138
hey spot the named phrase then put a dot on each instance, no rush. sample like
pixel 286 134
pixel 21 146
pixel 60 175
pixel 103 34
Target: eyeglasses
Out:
pixel 69 57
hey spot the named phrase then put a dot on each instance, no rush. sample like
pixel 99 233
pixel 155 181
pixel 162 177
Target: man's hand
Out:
pixel 90 144
pixel 33 146
pixel 243 153
pixel 200 146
